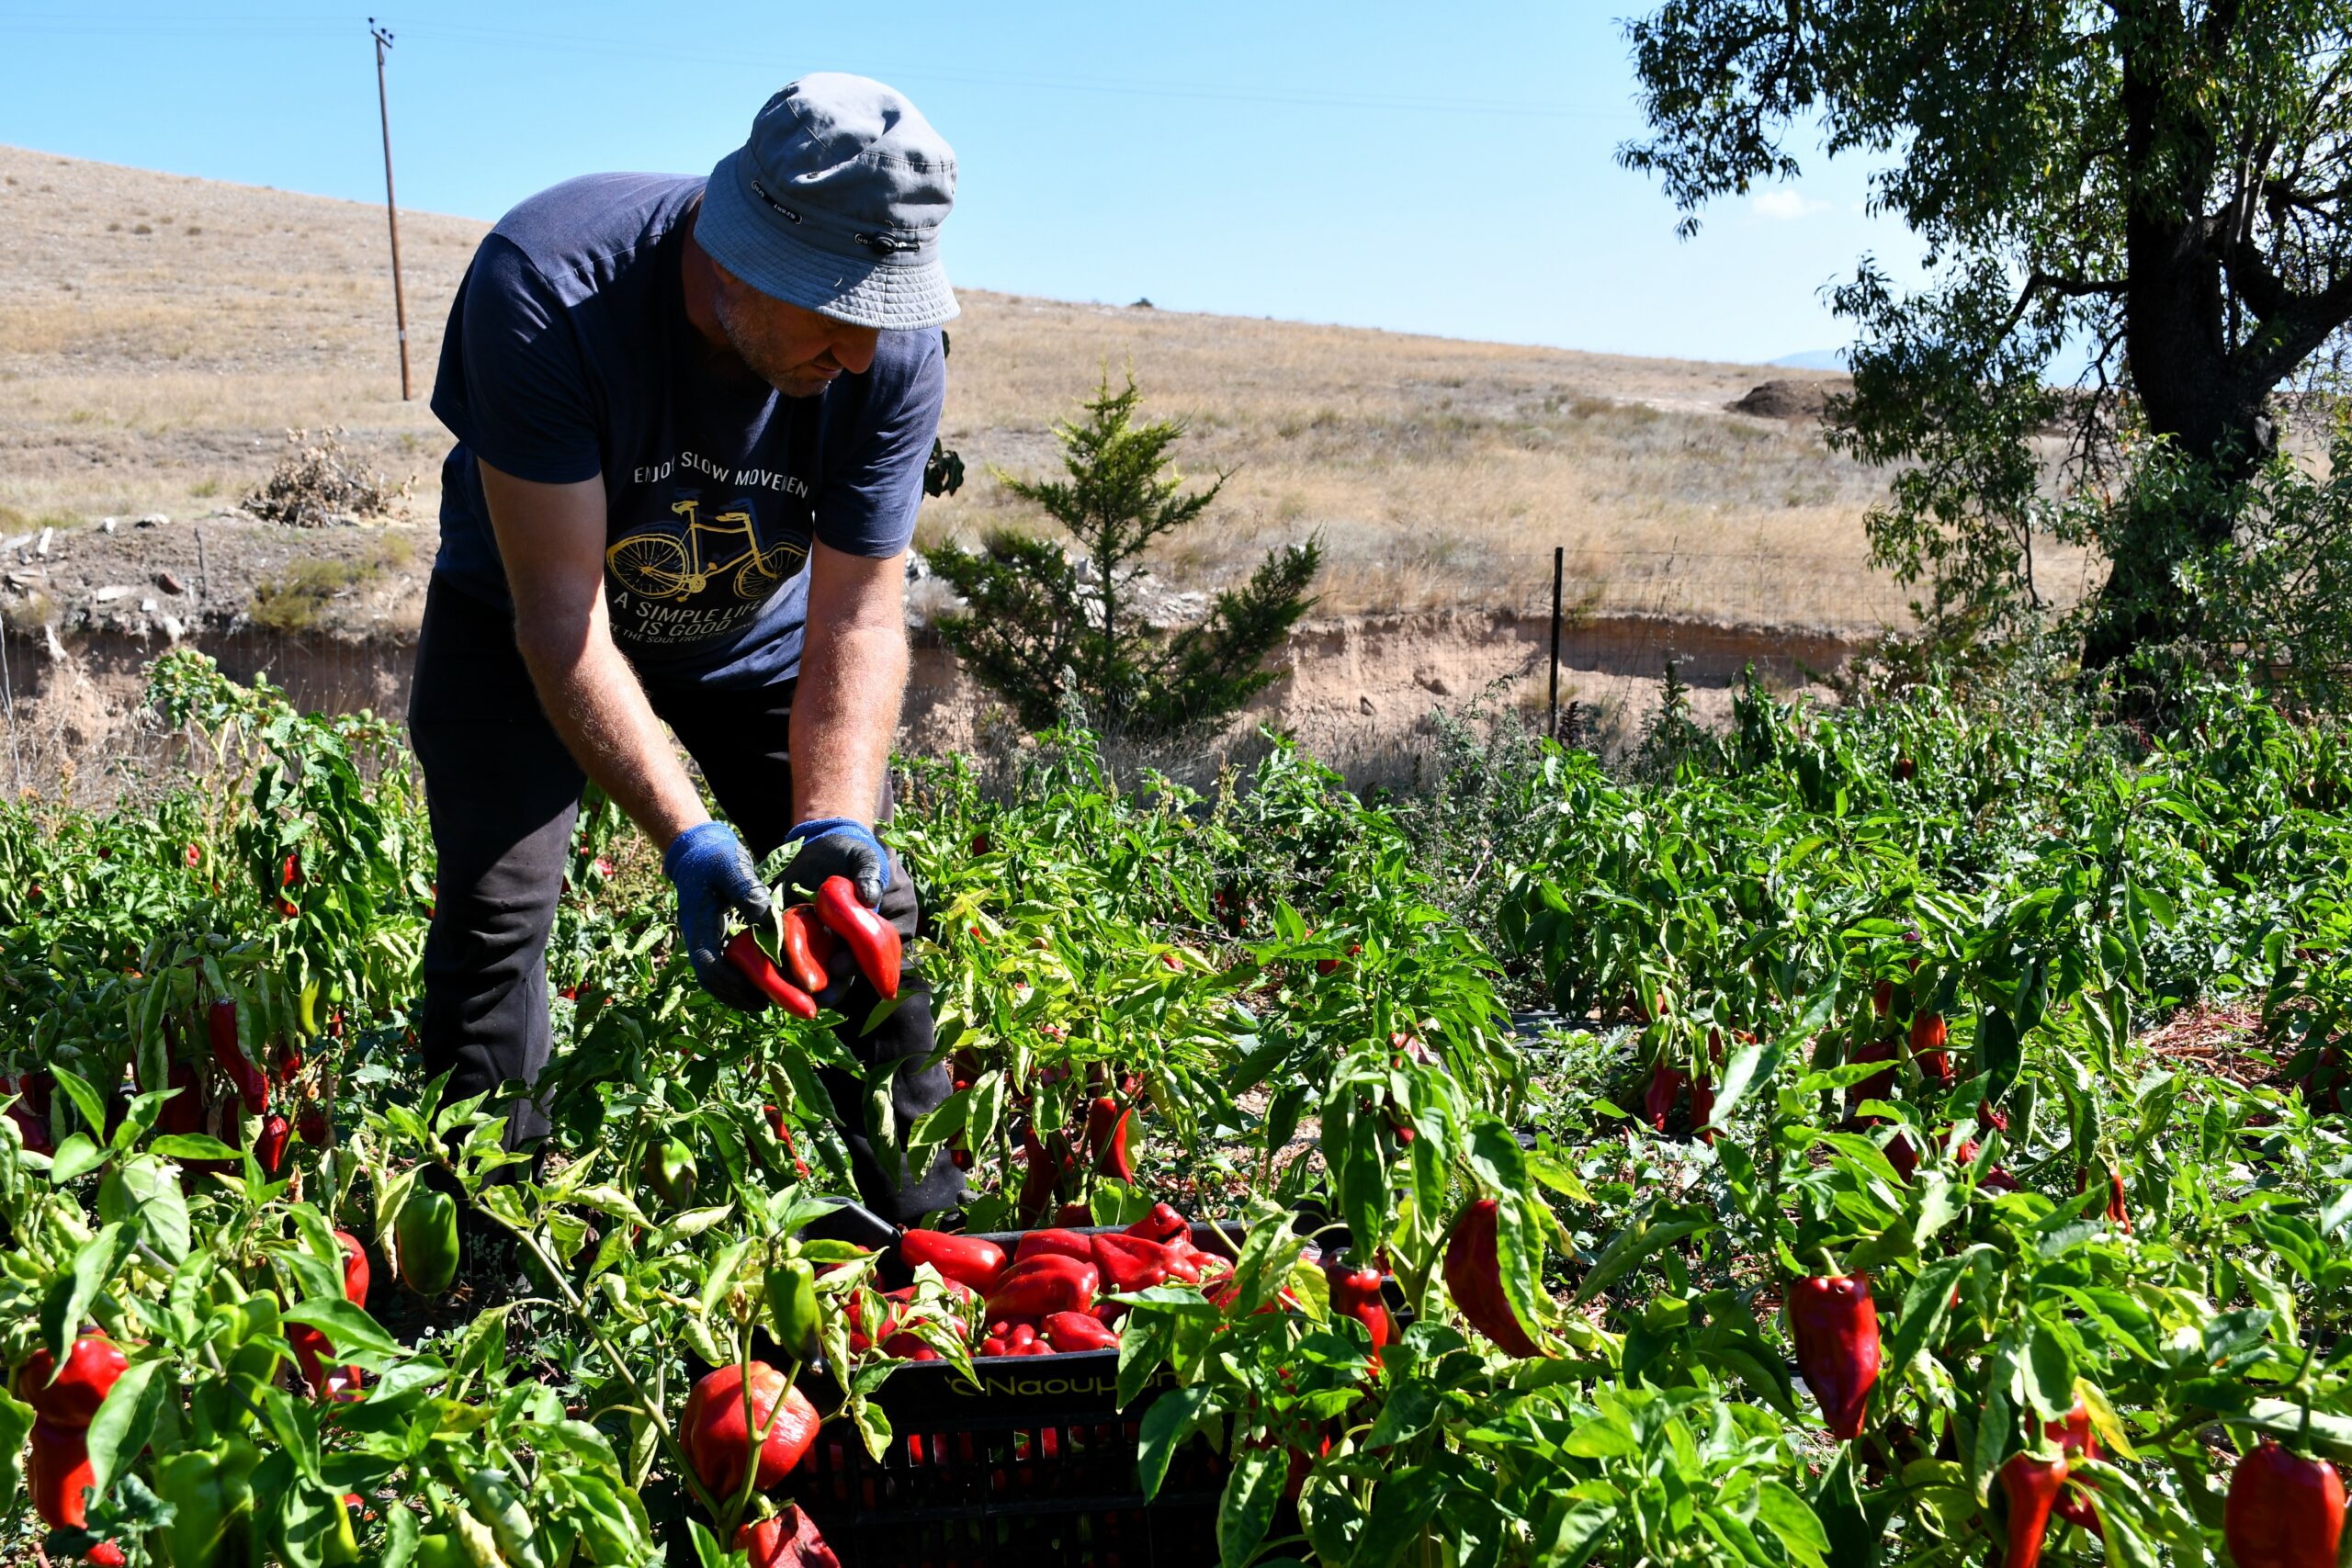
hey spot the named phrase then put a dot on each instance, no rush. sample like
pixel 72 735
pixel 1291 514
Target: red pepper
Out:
pixel 1107 1128
pixel 2074 1437
pixel 310 1347
pixel 2116 1213
pixel 289 872
pixel 221 1025
pixel 1702 1108
pixel 183 1111
pixel 1129 1262
pixel 1162 1224
pixel 2283 1511
pixel 1473 1278
pixel 1049 1282
pixel 33 1129
pixel 1882 1002
pixel 803 956
pixel 1664 1086
pixel 1879 1085
pixel 968 1260
pixel 1901 1156
pixel 1069 1243
pixel 311 1125
pixel 743 951
pixel 1928 1036
pixel 790 1540
pixel 70 1399
pixel 269 1148
pixel 354 1268
pixel 717 1442
pixel 1355 1292
pixel 58 1477
pixel 1074 1331
pixel 1835 1324
pixel 2030 1482
pixel 909 1347
pixel 872 941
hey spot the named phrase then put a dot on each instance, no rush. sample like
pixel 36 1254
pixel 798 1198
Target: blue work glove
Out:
pixel 714 873
pixel 839 846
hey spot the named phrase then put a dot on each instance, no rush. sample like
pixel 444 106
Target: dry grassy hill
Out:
pixel 159 334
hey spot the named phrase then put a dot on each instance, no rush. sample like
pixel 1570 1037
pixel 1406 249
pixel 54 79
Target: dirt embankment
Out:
pixel 1361 691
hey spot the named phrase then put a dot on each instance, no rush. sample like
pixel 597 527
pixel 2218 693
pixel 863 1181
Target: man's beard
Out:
pixel 753 349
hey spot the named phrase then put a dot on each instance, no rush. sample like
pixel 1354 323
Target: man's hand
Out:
pixel 839 846
pixel 714 875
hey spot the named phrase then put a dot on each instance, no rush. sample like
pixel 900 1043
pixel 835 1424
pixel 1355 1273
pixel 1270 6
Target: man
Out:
pixel 692 420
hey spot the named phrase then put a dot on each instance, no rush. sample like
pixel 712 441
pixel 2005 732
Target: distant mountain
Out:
pixel 1812 359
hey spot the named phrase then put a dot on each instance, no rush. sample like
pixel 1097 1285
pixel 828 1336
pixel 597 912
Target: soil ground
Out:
pixel 166 342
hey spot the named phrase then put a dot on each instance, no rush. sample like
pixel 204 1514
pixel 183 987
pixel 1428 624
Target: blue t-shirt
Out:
pixel 569 356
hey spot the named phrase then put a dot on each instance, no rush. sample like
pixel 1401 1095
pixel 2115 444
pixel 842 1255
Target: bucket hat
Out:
pixel 835 203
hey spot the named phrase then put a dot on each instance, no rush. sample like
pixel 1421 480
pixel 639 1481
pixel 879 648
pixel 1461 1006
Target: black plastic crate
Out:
pixel 1035 1468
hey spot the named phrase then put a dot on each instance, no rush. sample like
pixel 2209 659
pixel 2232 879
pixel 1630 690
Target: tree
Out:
pixel 1042 629
pixel 2159 182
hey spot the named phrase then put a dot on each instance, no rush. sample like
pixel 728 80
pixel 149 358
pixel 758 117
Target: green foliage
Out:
pixel 2161 183
pixel 1045 637
pixel 1287 987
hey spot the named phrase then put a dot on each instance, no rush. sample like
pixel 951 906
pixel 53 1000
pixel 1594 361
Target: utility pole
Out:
pixel 383 37
pixel 1551 716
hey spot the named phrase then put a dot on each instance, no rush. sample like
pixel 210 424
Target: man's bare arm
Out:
pixel 852 675
pixel 551 538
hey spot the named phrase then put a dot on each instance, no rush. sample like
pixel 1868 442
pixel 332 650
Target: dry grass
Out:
pixel 157 370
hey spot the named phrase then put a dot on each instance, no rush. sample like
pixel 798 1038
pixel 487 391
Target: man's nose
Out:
pixel 854 351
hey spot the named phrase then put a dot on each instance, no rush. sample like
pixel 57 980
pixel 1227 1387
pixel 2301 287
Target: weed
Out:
pixel 296 598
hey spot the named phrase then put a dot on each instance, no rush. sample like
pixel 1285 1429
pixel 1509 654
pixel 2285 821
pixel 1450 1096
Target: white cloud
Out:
pixel 1786 206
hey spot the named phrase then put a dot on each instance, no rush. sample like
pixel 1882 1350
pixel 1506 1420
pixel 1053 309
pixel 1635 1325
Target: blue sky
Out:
pixel 1442 169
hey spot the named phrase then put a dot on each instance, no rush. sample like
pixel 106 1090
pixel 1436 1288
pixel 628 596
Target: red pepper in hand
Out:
pixel 968 1260
pixel 743 951
pixel 1129 1262
pixel 1835 1324
pixel 221 1026
pixel 1074 1331
pixel 1473 1279
pixel 803 958
pixel 2030 1482
pixel 2283 1511
pixel 1069 1243
pixel 872 941
pixel 1049 1282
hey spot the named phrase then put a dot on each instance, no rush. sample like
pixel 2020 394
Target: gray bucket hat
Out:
pixel 835 203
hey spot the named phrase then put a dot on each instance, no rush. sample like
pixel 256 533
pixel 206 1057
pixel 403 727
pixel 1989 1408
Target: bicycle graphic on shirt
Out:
pixel 662 565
